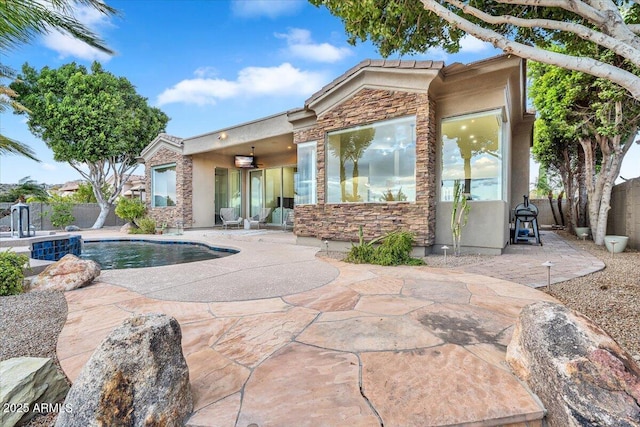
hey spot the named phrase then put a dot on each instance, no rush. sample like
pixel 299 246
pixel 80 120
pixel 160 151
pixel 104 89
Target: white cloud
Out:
pixel 301 45
pixel 49 167
pixel 283 80
pixel 269 8
pixel 470 44
pixel 68 46
pixel 205 72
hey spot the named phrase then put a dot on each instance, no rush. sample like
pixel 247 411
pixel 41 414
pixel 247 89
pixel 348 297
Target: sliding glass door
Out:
pixel 227 190
pixel 272 188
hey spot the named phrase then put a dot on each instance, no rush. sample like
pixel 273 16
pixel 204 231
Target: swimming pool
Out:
pixel 117 254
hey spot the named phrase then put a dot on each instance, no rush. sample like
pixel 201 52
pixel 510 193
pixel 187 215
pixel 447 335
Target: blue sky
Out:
pixel 209 64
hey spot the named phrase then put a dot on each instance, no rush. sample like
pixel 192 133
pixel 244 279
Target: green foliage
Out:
pixel 11 272
pixel 27 189
pixel 92 119
pixel 85 193
pixel 394 249
pixel 459 214
pixel 24 20
pixel 394 26
pixel 528 29
pixel 61 211
pixel 130 210
pixel 146 225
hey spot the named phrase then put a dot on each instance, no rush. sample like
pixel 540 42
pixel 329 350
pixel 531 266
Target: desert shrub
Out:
pixel 394 249
pixel 360 254
pixel 146 225
pixel 11 274
pixel 131 210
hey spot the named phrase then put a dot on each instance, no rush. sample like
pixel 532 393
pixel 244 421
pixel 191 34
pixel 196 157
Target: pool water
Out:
pixel 120 254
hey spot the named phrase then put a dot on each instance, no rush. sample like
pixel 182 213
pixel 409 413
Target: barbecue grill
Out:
pixel 526 223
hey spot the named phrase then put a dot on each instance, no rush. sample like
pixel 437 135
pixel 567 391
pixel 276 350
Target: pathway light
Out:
pixel 444 248
pixel 548 264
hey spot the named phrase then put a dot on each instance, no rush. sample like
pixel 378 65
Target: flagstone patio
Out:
pixel 393 346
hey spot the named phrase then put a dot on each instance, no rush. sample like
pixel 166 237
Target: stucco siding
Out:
pixel 203 192
pixel 487 229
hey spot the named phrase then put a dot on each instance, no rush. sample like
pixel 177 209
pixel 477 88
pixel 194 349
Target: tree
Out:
pixel 27 189
pixel 526 28
pixel 8 101
pixel 93 120
pixel 21 21
pixel 84 193
pixel 597 114
pixel 562 157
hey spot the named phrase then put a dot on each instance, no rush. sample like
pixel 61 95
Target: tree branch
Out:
pixel 615 45
pixel 578 7
pixel 627 80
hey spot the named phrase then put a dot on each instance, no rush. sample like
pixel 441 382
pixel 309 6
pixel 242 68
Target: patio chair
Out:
pixel 289 220
pixel 261 218
pixel 229 217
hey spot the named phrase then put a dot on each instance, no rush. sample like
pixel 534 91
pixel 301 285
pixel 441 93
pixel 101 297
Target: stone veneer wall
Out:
pixel 183 210
pixel 342 221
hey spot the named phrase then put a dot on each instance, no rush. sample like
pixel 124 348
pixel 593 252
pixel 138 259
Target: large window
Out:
pixel 372 163
pixel 472 154
pixel 305 178
pixel 163 189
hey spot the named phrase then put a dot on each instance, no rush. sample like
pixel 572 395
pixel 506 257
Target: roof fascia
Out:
pixel 160 141
pixel 382 78
pixel 261 129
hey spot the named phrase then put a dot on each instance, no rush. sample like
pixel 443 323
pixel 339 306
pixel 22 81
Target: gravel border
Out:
pixel 30 324
pixel 610 297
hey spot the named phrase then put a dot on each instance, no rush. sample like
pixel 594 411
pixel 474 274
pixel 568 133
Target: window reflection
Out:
pixel 305 178
pixel 373 163
pixel 472 153
pixel 164 186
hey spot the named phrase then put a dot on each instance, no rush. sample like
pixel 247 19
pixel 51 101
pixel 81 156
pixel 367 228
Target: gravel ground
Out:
pixel 30 323
pixel 611 297
pixel 29 326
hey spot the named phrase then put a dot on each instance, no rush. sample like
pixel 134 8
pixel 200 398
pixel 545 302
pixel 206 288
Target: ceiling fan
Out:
pixel 252 154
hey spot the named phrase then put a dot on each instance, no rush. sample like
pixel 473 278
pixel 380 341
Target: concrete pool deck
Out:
pixel 293 339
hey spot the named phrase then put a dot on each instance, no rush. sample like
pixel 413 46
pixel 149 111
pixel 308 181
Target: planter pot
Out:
pixel 620 243
pixel 582 230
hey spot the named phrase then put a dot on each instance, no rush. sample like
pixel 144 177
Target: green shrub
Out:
pixel 11 274
pixel 61 211
pixel 131 210
pixel 146 226
pixel 395 249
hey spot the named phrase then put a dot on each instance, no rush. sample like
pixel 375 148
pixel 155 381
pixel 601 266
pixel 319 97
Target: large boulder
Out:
pixel 581 375
pixel 29 385
pixel 69 273
pixel 137 376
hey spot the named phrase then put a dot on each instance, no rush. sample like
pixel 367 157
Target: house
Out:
pixel 134 186
pixel 69 188
pixel 379 147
